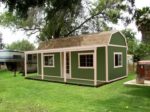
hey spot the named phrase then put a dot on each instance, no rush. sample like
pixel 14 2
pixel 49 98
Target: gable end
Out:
pixel 118 39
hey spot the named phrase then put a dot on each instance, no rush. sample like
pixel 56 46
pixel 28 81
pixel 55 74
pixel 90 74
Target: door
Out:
pixel 68 63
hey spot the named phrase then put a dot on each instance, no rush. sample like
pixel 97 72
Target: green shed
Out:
pixel 91 59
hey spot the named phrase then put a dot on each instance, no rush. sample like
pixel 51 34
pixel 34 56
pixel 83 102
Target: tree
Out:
pixel 142 17
pixel 23 45
pixel 64 17
pixel 131 40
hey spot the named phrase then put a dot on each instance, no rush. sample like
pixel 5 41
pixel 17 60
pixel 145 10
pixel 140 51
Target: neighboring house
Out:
pixel 87 59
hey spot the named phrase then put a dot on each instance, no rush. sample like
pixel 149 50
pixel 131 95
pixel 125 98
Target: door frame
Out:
pixel 64 74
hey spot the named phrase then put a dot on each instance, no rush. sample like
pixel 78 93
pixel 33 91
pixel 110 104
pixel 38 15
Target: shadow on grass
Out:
pixel 139 92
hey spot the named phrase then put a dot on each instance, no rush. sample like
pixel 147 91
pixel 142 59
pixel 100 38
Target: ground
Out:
pixel 22 95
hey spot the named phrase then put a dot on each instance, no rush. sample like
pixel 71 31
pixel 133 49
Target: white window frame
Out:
pixel 118 53
pixel 79 54
pixel 52 58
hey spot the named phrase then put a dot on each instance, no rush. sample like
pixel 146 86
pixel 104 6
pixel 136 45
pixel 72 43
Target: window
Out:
pixel 49 60
pixel 117 59
pixel 86 60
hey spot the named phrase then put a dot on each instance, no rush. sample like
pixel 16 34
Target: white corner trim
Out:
pixel 70 71
pixel 106 62
pixel 95 66
pixel 118 53
pixel 25 65
pixel 65 77
pixel 52 58
pixel 88 53
pixel 61 69
pixel 42 69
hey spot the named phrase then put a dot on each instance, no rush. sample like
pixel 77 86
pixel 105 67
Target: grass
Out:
pixel 21 95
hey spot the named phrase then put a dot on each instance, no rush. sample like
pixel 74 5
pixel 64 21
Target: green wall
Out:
pixel 54 71
pixel 39 64
pixel 116 72
pixel 78 72
pixel 101 66
pixel 117 39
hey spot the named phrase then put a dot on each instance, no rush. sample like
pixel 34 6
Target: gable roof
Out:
pixel 102 38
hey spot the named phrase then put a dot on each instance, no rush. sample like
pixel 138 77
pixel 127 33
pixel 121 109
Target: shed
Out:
pixel 90 59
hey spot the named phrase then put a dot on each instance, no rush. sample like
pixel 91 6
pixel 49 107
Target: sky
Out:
pixel 9 36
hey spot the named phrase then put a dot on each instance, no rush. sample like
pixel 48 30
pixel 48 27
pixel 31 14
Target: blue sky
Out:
pixel 9 36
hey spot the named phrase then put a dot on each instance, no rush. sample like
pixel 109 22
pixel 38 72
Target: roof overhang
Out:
pixel 67 49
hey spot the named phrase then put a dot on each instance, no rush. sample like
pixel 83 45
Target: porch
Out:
pixel 63 74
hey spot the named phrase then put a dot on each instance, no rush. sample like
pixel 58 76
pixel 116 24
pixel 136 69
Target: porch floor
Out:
pixel 69 81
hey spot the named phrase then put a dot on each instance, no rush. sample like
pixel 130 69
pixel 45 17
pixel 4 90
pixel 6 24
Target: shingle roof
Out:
pixel 82 40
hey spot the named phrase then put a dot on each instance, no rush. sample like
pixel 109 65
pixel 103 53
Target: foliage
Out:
pixel 142 17
pixel 65 17
pixel 138 49
pixel 142 51
pixel 131 40
pixel 23 45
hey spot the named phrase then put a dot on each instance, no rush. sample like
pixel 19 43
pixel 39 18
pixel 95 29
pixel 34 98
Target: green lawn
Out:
pixel 21 95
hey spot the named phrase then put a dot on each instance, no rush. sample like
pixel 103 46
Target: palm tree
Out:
pixel 142 17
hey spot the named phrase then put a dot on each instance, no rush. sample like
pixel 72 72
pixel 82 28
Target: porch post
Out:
pixel 25 65
pixel 42 71
pixel 65 77
pixel 95 67
pixel 106 62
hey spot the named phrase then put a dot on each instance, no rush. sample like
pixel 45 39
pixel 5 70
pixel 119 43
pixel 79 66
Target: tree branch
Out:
pixel 88 19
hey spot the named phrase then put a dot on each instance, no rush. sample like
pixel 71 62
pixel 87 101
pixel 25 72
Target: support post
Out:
pixel 65 77
pixel 25 65
pixel 42 71
pixel 95 67
pixel 106 53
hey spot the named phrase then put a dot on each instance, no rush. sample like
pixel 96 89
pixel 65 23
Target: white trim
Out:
pixel 117 45
pixel 65 77
pixel 79 54
pixel 53 76
pixel 42 68
pixel 95 66
pixel 70 69
pixel 61 69
pixel 66 49
pixel 117 79
pixel 106 62
pixel 25 65
pixel 118 53
pixel 86 79
pixel 53 57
